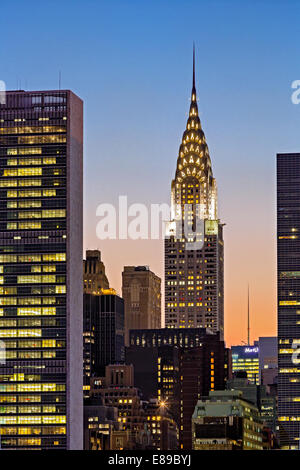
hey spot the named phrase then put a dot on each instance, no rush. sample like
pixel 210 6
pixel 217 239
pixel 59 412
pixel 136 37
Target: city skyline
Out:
pixel 149 219
pixel 245 106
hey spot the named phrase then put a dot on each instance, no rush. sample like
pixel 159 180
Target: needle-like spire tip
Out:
pixel 194 87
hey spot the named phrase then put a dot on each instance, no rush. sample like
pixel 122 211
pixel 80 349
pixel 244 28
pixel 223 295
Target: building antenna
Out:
pixel 194 81
pixel 248 328
pixel 59 80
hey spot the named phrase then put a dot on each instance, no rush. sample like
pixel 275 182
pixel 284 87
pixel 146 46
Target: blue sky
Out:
pixel 131 63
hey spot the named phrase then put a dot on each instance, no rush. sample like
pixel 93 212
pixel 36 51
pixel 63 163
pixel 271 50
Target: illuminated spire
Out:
pixel 194 86
pixel 194 164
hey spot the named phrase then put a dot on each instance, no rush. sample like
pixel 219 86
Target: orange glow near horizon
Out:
pixel 255 265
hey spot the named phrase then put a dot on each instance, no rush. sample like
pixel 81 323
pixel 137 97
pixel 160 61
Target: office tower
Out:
pixel 194 258
pixel 288 294
pixel 142 296
pixel 94 277
pixel 177 366
pixel 246 358
pixel 260 395
pixel 103 333
pixel 156 374
pixel 201 369
pixel 155 355
pixel 268 359
pixel 41 270
pixel 226 421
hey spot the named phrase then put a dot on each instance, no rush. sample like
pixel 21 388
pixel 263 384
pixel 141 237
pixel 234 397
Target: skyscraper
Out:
pixel 225 420
pixel 94 277
pixel 41 270
pixel 201 369
pixel 103 331
pixel 177 366
pixel 246 358
pixel 194 264
pixel 288 293
pixel 141 292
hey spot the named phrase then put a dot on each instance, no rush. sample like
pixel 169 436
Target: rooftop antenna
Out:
pixel 59 80
pixel 194 66
pixel 248 328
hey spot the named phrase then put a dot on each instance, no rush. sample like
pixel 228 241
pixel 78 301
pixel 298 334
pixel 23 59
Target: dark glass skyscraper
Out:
pixel 288 286
pixel 103 331
pixel 41 270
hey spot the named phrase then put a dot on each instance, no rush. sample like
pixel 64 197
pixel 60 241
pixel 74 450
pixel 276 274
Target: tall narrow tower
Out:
pixel 194 265
pixel 288 294
pixel 41 144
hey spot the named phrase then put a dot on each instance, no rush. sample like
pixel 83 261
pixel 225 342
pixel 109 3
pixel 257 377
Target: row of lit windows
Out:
pixel 288 418
pixel 28 322
pixel 33 269
pixel 30 161
pixel 27 182
pixel 29 355
pixel 22 172
pixel 25 333
pixel 35 171
pixel 36 279
pixel 288 341
pixel 13 204
pixel 32 258
pixel 38 139
pixel 21 377
pixel 25 225
pixel 25 151
pixel 23 398
pixel 31 129
pixel 288 303
pixel 44 214
pixel 35 430
pixel 32 193
pixel 45 343
pixel 32 387
pixel 34 290
pixel 27 301
pixel 26 409
pixel 56 419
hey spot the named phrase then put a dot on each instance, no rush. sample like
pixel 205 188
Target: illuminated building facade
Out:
pixel 141 291
pixel 288 295
pixel 156 374
pixel 117 390
pixel 201 369
pixel 164 431
pixel 246 358
pixel 41 136
pixel 99 423
pixel 194 249
pixel 94 277
pixel 159 358
pixel 226 421
pixel 175 337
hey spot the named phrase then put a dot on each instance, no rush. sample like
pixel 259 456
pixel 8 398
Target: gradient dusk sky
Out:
pixel 131 63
